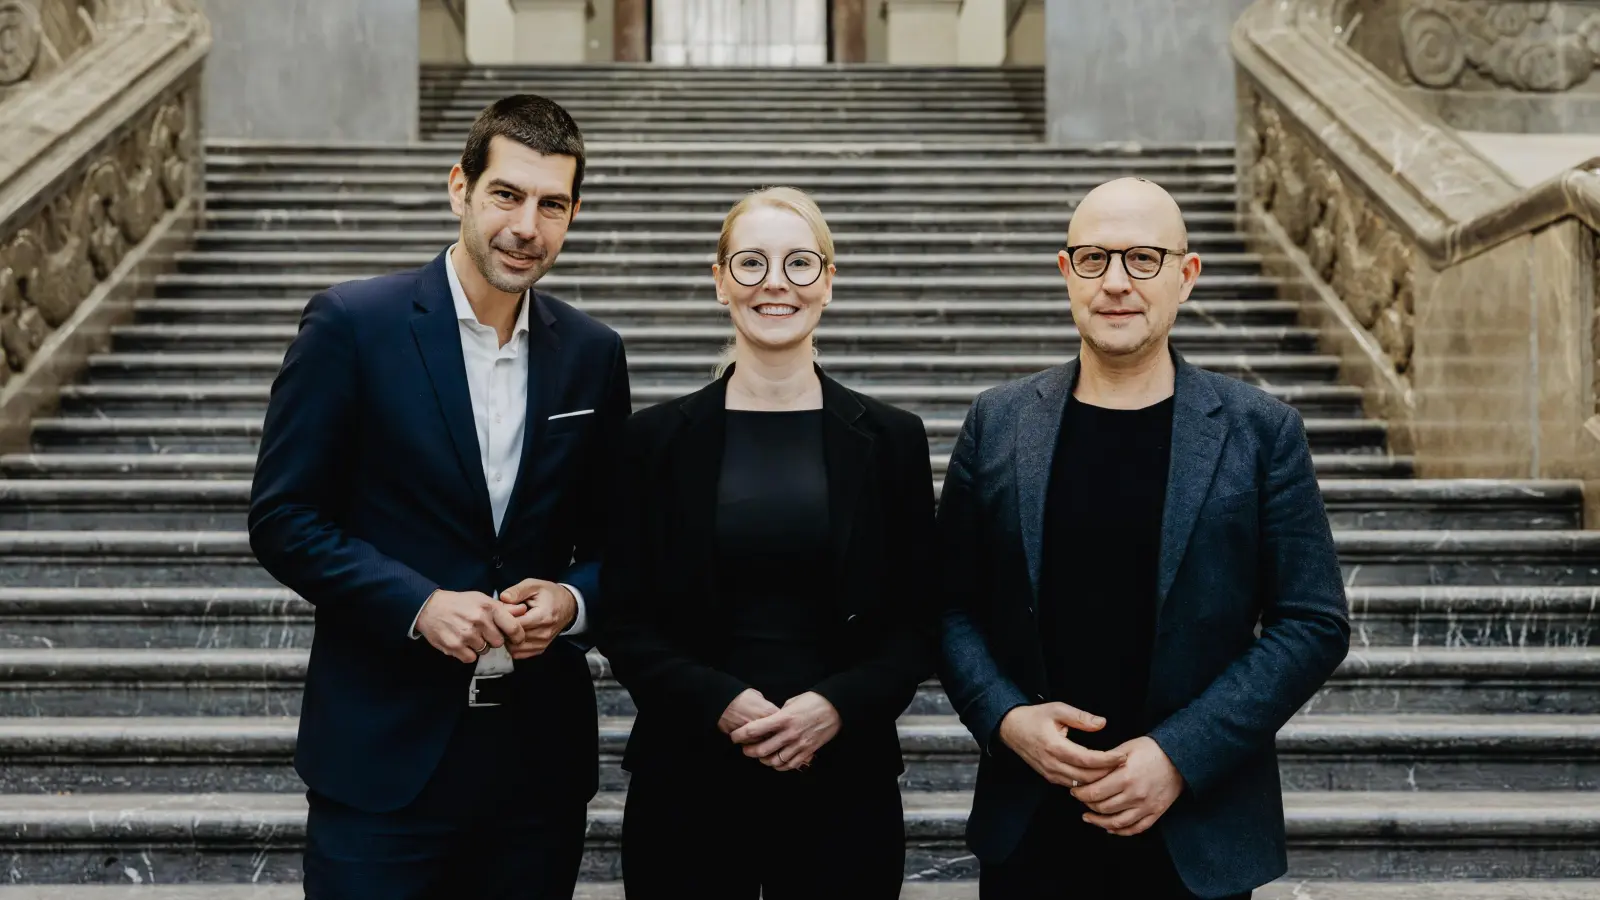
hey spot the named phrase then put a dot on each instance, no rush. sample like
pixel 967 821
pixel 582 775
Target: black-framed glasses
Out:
pixel 801 267
pixel 1091 261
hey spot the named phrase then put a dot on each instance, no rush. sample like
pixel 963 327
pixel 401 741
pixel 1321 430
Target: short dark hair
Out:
pixel 530 120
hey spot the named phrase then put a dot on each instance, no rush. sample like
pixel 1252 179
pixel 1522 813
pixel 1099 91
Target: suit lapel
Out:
pixel 438 337
pixel 697 465
pixel 1038 428
pixel 1196 447
pixel 546 384
pixel 847 449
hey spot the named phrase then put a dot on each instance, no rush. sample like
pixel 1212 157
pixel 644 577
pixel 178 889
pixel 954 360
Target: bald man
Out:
pixel 1113 531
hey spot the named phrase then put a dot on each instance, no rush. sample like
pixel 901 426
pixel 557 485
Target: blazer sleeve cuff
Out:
pixel 983 715
pixel 1182 739
pixel 715 693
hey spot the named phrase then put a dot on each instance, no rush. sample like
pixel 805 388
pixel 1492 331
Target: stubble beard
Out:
pixel 481 251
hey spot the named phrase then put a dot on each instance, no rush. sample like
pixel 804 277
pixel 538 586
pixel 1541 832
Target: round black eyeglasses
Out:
pixel 801 267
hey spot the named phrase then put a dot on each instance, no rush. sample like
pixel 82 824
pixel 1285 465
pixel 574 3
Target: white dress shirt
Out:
pixel 497 380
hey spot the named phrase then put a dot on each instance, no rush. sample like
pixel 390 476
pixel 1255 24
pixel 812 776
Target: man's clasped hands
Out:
pixel 526 618
pixel 1127 788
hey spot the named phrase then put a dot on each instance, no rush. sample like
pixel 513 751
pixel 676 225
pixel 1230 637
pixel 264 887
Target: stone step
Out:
pixel 235 465
pixel 330 151
pixel 241 434
pixel 1217 313
pixel 594 109
pixel 100 681
pixel 578 288
pixel 1062 201
pixel 949 131
pixel 694 265
pixel 824 101
pixel 258 838
pixel 730 162
pixel 602 184
pixel 1285 375
pixel 1034 244
pixel 1291 889
pixel 591 107
pixel 153 398
pixel 152 754
pixel 223 618
pixel 434 215
pixel 120 558
pixel 870 338
pixel 609 73
pixel 198 505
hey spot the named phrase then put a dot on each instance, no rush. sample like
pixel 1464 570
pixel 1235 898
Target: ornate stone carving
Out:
pixel 1352 247
pixel 1594 323
pixel 1526 46
pixel 55 260
pixel 19 40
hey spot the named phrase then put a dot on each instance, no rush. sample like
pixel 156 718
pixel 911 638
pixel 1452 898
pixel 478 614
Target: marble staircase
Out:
pixel 150 670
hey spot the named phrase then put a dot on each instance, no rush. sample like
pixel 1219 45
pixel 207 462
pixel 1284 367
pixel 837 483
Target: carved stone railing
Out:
pixel 1462 301
pixel 99 177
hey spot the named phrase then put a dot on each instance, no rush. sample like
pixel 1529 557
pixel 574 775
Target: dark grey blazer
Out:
pixel 1244 540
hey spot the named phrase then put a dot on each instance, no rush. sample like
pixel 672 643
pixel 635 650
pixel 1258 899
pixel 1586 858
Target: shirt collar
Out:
pixel 464 312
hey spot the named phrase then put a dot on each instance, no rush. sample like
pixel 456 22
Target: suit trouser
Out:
pixel 481 828
pixel 1061 856
pixel 760 833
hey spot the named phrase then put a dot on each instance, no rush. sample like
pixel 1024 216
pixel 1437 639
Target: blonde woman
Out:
pixel 768 606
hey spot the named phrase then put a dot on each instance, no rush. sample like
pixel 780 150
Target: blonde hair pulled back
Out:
pixel 789 199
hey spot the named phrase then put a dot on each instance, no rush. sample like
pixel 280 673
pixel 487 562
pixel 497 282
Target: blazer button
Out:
pixel 497 562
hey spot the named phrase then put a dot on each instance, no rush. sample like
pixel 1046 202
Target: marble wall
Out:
pixel 312 70
pixel 1145 70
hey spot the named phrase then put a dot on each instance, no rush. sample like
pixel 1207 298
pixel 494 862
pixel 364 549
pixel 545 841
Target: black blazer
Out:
pixel 663 630
pixel 369 494
pixel 1244 540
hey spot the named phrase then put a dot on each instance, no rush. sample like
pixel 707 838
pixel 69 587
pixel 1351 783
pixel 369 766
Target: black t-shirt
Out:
pixel 1102 548
pixel 772 543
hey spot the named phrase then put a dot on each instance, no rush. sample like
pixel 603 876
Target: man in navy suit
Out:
pixel 431 479
pixel 1143 588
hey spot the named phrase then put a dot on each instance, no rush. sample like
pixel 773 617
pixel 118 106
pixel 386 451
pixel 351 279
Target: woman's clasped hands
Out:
pixel 784 738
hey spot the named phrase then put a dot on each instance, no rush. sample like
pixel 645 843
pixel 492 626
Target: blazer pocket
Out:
pixel 566 423
pixel 1228 504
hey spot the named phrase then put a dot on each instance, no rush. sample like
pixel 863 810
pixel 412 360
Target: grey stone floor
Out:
pixel 965 890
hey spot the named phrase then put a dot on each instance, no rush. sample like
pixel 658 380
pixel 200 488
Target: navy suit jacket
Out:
pixel 1245 547
pixel 369 494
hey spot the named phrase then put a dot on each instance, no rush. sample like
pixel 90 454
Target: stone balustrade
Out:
pixel 1461 298
pixel 99 177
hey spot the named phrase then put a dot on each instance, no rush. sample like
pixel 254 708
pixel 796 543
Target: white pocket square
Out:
pixel 581 412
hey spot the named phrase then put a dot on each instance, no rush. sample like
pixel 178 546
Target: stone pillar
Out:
pixel 1025 43
pixel 981 33
pixel 549 31
pixel 312 70
pixel 923 32
pixel 1147 70
pixel 491 32
pixel 442 40
pixel 849 31
pixel 632 30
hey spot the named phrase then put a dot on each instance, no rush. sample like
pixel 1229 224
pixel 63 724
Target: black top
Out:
pixel 772 541
pixel 1102 549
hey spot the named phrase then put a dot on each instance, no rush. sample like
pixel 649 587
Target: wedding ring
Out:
pixel 481 650
pixel 1074 782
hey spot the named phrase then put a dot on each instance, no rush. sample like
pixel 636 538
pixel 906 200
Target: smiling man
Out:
pixel 1113 531
pixel 431 479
